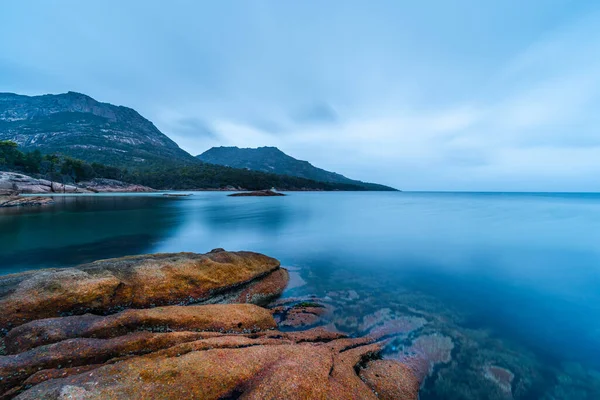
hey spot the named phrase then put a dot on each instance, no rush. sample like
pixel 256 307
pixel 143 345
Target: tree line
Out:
pixel 67 170
pixel 54 167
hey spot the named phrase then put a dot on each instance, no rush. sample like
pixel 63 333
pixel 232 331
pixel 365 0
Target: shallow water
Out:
pixel 511 280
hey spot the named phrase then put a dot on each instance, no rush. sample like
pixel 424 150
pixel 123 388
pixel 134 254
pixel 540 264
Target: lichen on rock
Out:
pixel 181 326
pixel 146 281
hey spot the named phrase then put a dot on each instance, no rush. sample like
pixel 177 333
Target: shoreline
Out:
pixel 161 192
pixel 210 325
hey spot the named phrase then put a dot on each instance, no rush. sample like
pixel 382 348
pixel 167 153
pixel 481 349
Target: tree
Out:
pixel 32 161
pixel 8 152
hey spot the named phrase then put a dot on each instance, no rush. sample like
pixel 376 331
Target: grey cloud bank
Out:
pixel 428 96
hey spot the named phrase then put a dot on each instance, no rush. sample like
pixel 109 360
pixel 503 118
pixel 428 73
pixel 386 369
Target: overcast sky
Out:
pixel 420 95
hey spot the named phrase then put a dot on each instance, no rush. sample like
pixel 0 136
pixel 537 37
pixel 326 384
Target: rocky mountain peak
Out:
pixel 77 125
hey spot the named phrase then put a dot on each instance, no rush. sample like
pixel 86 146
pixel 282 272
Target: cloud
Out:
pixel 186 129
pixel 194 127
pixel 423 96
pixel 267 125
pixel 316 113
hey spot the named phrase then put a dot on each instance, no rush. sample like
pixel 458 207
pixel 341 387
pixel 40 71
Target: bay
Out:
pixel 511 279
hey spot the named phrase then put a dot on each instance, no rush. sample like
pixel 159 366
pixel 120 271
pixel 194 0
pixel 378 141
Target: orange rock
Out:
pixel 77 352
pixel 146 342
pixel 263 290
pixel 238 318
pixel 265 369
pixel 300 319
pixel 319 334
pixel 47 374
pixel 390 380
pixel 301 314
pixel 145 281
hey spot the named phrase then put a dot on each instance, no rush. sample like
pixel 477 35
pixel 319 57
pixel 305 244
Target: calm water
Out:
pixel 512 279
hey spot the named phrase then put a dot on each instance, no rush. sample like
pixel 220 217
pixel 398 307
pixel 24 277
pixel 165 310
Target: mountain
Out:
pixel 94 138
pixel 273 160
pixel 70 171
pixel 78 126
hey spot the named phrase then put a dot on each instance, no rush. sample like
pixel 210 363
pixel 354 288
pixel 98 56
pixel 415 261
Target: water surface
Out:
pixel 513 280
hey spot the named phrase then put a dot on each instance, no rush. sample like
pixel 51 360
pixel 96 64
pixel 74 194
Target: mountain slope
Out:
pixel 200 175
pixel 78 126
pixel 273 160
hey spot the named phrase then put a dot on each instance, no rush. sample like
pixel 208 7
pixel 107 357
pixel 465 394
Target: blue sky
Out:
pixel 429 95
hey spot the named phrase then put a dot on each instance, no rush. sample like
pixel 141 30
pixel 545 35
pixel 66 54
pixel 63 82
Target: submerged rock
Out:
pixel 425 353
pixel 500 376
pixel 302 314
pixel 344 295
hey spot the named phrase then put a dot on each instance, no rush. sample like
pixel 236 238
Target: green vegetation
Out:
pixel 271 160
pixel 65 169
pixel 93 138
pixel 53 166
pixel 11 156
pixel 210 176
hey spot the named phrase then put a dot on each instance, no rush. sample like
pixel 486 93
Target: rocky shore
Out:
pixel 13 200
pixel 23 184
pixel 102 185
pixel 182 325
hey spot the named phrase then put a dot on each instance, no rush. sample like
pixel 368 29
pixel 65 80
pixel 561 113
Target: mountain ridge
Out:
pixel 76 125
pixel 272 160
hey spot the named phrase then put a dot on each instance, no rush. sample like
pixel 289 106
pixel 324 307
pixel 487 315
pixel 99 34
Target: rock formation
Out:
pixel 147 281
pixel 134 326
pixel 104 185
pixel 239 318
pixel 20 183
pixel 19 201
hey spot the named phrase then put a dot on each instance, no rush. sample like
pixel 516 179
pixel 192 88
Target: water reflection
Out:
pixel 82 229
pixel 265 216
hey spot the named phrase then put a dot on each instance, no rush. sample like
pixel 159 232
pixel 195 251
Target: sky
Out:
pixel 473 95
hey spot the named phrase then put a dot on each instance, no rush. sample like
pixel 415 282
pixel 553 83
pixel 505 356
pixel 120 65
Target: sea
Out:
pixel 505 286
